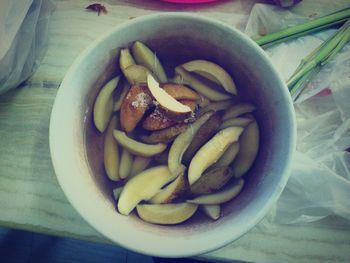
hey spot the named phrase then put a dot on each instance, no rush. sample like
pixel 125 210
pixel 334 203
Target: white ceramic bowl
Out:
pixel 76 146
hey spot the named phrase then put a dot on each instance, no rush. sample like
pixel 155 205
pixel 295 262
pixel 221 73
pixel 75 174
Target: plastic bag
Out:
pixel 23 39
pixel 265 19
pixel 319 184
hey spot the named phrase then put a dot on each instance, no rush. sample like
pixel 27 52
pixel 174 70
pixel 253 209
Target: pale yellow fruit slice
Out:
pixel 215 106
pixel 166 214
pixel 126 161
pixel 140 163
pixel 136 74
pixel 241 122
pixel 229 192
pixel 144 56
pixel 216 73
pixel 116 192
pixel 204 133
pixel 111 152
pixel 164 99
pixel 200 87
pixel 207 76
pixel 238 109
pixel 138 148
pixel 180 92
pixel 212 211
pixel 210 152
pixel 212 180
pixel 125 59
pixel 171 191
pixel 229 155
pixel 182 141
pixel 249 147
pixel 142 187
pixel 103 107
pixel 119 100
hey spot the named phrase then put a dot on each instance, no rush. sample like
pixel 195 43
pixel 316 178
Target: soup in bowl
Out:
pixel 78 139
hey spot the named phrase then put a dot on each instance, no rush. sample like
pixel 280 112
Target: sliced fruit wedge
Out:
pixel 216 106
pixel 212 211
pixel 179 92
pixel 126 162
pixel 138 148
pixel 165 99
pixel 207 76
pixel 144 56
pixel 204 133
pixel 157 120
pixel 249 147
pixel 212 180
pixel 134 106
pixel 103 107
pixel 142 187
pixel 238 109
pixel 229 192
pixel 192 104
pixel 201 87
pixel 136 74
pixel 171 191
pixel 210 152
pixel 119 100
pixel 166 214
pixel 111 152
pixel 125 59
pixel 216 73
pixel 228 156
pixel 139 164
pixel 182 141
pixel 241 122
pixel 182 117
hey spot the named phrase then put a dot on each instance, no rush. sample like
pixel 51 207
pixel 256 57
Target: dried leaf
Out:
pixel 97 8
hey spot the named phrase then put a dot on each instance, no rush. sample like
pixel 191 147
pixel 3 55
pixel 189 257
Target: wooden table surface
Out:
pixel 30 197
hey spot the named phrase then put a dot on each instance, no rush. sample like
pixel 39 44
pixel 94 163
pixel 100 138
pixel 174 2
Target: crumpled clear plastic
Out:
pixel 319 184
pixel 23 39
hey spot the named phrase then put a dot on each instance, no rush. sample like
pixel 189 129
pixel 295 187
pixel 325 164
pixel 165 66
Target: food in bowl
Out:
pixel 176 144
pixel 77 148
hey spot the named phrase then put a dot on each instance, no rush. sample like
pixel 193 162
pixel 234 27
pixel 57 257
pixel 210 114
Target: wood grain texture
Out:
pixel 327 241
pixel 29 192
pixel 30 197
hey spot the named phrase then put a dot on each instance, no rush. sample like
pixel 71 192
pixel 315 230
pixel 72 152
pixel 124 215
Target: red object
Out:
pixel 324 92
pixel 189 1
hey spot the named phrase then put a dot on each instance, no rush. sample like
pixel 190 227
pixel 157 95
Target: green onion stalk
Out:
pixel 312 63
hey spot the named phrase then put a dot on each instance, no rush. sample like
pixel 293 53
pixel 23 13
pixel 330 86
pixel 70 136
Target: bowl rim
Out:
pixel 83 209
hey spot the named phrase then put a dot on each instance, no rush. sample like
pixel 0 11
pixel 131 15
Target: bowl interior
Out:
pixel 177 39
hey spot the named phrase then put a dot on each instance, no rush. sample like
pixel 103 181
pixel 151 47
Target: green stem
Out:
pixel 345 38
pixel 304 33
pixel 320 54
pixel 301 84
pixel 314 53
pixel 313 25
pixel 299 74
